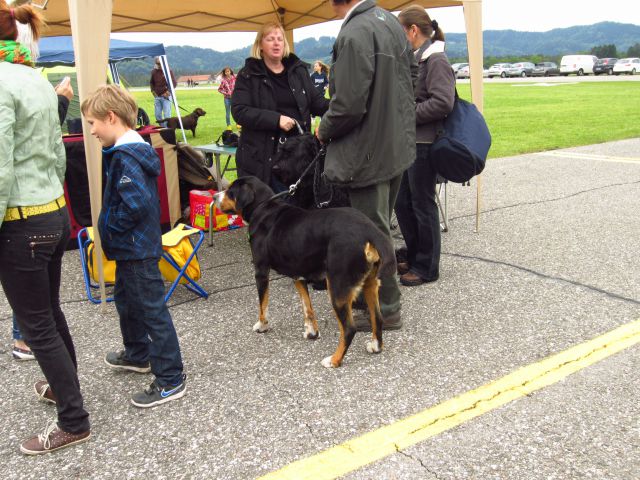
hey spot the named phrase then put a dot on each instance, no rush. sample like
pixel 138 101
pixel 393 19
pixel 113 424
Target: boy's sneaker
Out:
pixel 157 395
pixel 119 361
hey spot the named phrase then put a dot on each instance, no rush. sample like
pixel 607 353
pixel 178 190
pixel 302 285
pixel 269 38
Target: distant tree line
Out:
pixel 187 60
pixel 611 51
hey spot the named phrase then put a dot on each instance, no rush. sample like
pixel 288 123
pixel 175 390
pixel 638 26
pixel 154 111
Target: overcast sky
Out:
pixel 523 15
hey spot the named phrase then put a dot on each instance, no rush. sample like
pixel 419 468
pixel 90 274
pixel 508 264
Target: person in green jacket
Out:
pixel 34 228
pixel 370 125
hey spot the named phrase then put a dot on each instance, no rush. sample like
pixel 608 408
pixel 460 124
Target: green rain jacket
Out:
pixel 371 118
pixel 32 156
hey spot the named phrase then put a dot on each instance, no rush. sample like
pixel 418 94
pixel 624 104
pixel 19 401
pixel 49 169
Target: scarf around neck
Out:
pixel 14 52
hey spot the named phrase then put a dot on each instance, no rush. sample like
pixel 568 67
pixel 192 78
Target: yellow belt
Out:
pixel 20 213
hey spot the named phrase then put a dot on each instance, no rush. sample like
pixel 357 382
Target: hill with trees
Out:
pixel 499 45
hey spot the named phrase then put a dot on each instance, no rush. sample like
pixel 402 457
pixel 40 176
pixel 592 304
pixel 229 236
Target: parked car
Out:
pixel 545 69
pixel 499 70
pixel 578 64
pixel 627 65
pixel 457 66
pixel 604 65
pixel 463 72
pixel 520 69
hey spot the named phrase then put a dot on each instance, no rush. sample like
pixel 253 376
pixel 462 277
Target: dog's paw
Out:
pixel 373 346
pixel 260 327
pixel 326 362
pixel 310 333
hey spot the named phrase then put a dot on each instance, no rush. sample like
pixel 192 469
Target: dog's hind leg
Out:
pixel 262 282
pixel 370 293
pixel 342 309
pixel 311 331
pixel 370 288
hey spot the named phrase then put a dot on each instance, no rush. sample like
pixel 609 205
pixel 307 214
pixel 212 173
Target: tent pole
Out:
pixel 90 27
pixel 167 75
pixel 473 23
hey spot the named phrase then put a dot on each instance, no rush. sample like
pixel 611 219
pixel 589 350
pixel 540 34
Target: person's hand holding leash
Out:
pixel 317 134
pixel 286 123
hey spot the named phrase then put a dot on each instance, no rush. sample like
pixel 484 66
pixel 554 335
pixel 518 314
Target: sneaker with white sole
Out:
pixel 157 395
pixel 119 361
pixel 21 354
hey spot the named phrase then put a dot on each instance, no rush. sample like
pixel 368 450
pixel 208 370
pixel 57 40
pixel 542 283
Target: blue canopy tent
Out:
pixel 59 51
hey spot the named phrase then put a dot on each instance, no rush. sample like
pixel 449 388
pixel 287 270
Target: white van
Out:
pixel 578 64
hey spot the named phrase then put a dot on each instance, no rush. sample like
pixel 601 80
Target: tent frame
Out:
pixel 91 22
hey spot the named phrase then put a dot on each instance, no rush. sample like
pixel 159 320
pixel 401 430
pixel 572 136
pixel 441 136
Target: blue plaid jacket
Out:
pixel 129 222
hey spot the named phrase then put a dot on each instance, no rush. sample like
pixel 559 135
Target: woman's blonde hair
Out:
pixel 110 98
pixel 324 68
pixel 256 49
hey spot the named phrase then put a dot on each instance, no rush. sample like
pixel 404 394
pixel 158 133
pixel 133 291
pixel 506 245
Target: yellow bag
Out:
pixel 175 242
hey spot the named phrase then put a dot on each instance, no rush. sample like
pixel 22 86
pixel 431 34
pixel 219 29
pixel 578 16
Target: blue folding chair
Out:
pixel 178 264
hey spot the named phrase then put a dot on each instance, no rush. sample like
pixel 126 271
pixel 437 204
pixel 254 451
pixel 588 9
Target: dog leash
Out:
pixel 294 187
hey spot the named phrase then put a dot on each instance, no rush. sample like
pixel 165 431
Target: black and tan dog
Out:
pixel 189 122
pixel 339 244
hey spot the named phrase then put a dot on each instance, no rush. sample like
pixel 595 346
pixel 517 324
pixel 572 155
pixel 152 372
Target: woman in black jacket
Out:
pixel 273 91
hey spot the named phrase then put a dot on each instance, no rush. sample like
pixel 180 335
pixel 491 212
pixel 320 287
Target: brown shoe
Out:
pixel 393 321
pixel 410 279
pixel 53 438
pixel 44 392
pixel 403 267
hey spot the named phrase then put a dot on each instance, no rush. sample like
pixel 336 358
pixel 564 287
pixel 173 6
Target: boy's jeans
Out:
pixel 147 329
pixel 162 107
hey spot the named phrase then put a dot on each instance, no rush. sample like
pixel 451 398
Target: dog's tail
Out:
pixel 380 250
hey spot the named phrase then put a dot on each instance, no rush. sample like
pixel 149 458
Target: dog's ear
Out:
pixel 244 196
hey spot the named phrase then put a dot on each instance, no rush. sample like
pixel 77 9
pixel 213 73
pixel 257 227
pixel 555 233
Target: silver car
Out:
pixel 521 69
pixel 499 70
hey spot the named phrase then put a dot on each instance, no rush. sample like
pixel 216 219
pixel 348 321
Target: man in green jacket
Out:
pixel 370 124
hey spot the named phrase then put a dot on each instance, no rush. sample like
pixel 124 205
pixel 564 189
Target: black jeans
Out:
pixel 147 329
pixel 418 215
pixel 30 263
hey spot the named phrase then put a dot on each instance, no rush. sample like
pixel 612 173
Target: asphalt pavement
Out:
pixel 554 264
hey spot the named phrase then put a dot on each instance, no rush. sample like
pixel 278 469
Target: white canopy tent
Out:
pixel 91 21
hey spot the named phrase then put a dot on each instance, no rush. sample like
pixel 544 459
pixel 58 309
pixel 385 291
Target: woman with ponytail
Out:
pixel 416 206
pixel 34 227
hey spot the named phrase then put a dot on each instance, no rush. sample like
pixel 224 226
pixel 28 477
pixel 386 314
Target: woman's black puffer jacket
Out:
pixel 253 106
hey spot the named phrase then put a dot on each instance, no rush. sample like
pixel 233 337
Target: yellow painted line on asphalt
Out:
pixel 370 447
pixel 590 156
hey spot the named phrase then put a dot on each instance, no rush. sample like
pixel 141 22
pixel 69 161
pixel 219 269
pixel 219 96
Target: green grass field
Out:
pixel 522 119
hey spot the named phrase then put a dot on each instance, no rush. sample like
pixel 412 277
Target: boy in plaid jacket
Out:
pixel 129 227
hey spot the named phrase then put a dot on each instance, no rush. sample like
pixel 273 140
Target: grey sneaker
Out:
pixel 119 361
pixel 393 321
pixel 157 395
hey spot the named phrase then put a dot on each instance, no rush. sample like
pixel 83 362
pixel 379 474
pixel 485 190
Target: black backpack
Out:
pixel 229 139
